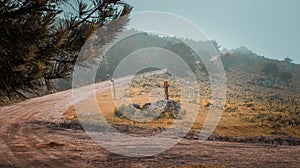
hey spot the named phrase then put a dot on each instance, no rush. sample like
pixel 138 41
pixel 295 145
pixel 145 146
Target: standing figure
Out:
pixel 166 88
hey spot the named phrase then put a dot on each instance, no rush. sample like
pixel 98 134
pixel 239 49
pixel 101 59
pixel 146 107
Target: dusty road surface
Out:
pixel 29 138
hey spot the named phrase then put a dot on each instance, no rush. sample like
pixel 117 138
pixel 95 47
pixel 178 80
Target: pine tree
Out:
pixel 37 47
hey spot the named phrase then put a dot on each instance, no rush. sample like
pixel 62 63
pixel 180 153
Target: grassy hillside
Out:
pixel 251 109
pixel 263 95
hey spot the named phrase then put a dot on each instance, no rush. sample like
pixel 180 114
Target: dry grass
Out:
pixel 249 110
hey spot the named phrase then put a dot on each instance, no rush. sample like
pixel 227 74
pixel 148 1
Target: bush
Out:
pixel 270 69
pixel 285 76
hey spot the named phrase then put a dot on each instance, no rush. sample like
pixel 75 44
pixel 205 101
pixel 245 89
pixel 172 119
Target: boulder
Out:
pixel 159 109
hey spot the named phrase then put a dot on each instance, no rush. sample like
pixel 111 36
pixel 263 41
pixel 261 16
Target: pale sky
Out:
pixel 268 27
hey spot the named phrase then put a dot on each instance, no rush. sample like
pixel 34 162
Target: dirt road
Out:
pixel 29 139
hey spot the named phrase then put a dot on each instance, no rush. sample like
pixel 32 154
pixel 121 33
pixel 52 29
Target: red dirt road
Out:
pixel 27 139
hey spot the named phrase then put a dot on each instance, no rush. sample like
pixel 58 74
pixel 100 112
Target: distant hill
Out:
pixel 236 60
pixel 239 59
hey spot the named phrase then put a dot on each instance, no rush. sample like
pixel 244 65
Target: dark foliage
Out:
pixel 270 69
pixel 143 40
pixel 36 47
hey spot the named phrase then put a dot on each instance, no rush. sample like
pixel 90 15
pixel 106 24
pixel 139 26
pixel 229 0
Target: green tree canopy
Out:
pixel 35 47
pixel 288 60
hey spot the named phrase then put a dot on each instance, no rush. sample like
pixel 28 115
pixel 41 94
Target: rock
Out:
pixel 54 144
pixel 159 109
pixel 168 108
pixel 134 105
pixel 146 106
pixel 270 83
pixel 154 111
pixel 126 111
pixel 275 97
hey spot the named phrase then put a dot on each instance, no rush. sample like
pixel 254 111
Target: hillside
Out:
pixel 240 59
pixel 263 95
pixel 253 107
pixel 235 60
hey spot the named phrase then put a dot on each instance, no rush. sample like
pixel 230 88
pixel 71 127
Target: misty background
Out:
pixel 269 28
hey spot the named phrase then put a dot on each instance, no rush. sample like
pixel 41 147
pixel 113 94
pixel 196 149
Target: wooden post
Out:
pixel 113 88
pixel 166 88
